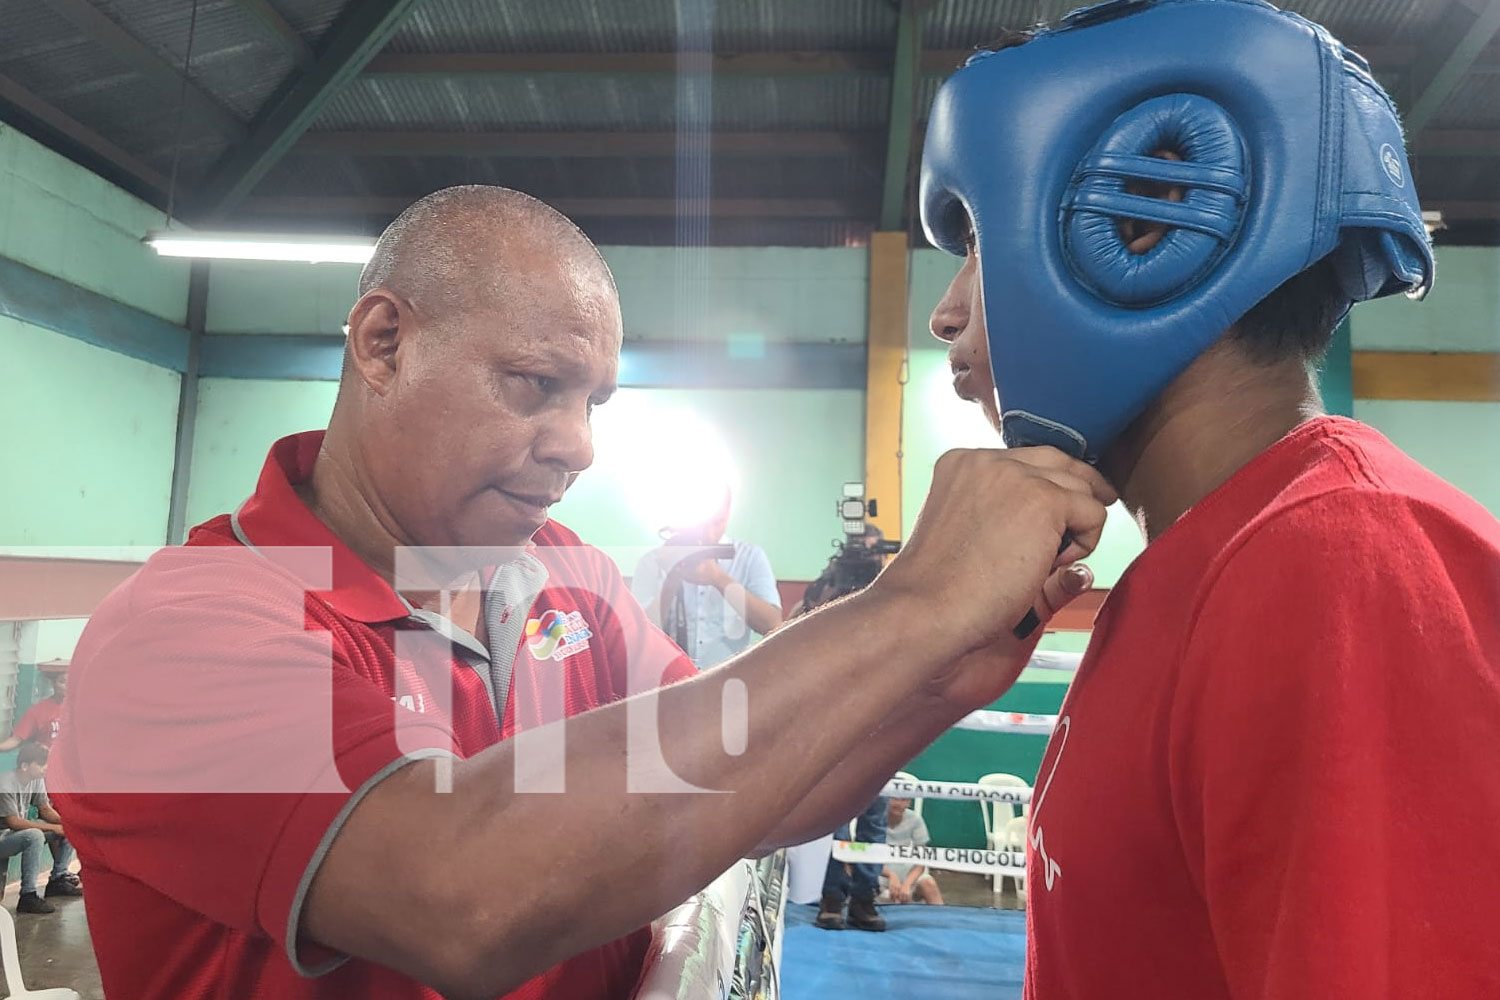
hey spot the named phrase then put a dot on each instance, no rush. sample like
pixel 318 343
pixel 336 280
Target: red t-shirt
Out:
pixel 1274 775
pixel 40 723
pixel 230 700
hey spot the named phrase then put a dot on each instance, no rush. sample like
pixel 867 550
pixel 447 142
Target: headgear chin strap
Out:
pixel 1288 151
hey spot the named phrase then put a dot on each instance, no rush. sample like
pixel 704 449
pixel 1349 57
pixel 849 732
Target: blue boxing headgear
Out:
pixel 1290 151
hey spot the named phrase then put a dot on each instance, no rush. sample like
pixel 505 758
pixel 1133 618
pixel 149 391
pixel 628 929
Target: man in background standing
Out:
pixel 40 723
pixel 708 605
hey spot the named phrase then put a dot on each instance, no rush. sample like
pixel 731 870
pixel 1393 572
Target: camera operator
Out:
pixel 707 591
pixel 853 567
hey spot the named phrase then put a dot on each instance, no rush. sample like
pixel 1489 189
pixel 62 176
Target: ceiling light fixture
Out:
pixel 261 246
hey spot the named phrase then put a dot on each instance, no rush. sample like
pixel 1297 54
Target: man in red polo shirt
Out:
pixel 41 721
pixel 310 751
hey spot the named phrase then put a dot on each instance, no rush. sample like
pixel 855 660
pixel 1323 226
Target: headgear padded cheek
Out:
pixel 1283 146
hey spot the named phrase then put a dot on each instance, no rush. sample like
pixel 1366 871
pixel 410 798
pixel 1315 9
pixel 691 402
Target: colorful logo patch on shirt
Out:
pixel 557 635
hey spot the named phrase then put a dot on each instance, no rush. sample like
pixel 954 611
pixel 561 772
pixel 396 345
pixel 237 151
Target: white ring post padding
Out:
pixel 955 859
pixel 693 947
pixel 1008 722
pixel 966 791
pixel 1052 659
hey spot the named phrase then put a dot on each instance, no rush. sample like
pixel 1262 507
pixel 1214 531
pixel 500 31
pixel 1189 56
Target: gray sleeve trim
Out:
pixel 300 899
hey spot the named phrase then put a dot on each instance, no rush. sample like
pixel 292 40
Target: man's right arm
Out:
pixel 962 574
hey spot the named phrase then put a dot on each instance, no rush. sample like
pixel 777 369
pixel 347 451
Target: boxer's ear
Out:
pixel 1139 235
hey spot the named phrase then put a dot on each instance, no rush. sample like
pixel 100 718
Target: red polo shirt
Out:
pixel 234 699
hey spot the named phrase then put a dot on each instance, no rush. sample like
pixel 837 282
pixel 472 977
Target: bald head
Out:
pixel 456 243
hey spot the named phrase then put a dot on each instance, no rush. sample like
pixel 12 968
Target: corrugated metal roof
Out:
pixel 233 59
pixel 1474 104
pixel 644 25
pixel 78 77
pixel 528 26
pixel 562 177
pixel 643 101
pixel 311 18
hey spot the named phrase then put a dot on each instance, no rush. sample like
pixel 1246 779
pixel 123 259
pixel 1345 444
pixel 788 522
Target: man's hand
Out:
pixel 987 541
pixel 978 678
pixel 703 572
pixel 900 892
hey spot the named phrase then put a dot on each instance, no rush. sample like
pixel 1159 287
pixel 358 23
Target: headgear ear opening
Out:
pixel 1211 170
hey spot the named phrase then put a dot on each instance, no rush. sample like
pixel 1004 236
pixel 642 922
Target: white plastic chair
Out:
pixel 995 820
pixel 11 955
pixel 1014 838
pixel 916 804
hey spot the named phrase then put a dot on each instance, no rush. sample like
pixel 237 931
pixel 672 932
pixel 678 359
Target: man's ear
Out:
pixel 1141 236
pixel 374 332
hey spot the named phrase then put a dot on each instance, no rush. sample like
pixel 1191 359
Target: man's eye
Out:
pixel 971 242
pixel 545 384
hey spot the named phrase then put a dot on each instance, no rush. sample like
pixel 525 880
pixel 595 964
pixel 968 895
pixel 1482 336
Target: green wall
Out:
pixel 238 419
pixel 89 457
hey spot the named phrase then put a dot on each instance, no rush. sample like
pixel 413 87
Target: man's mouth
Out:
pixel 961 385
pixel 535 501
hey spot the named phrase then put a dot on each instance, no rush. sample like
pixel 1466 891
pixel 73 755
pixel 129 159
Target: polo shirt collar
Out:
pixel 275 516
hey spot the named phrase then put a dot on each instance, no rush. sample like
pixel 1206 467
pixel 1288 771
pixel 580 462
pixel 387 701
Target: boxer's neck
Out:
pixel 1212 420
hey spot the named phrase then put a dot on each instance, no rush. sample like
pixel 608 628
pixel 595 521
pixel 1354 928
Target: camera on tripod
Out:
pixel 859 556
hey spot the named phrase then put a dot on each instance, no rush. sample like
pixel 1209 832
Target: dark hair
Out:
pixel 1297 320
pixel 31 753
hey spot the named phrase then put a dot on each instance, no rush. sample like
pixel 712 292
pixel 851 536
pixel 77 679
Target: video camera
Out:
pixel 859 557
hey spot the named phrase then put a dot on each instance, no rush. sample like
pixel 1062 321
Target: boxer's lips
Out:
pixel 961 383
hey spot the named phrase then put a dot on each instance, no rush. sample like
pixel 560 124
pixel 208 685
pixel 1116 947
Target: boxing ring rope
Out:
pixel 725 942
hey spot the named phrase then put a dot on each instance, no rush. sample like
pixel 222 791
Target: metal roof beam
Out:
pixel 360 32
pixel 905 68
pixel 580 144
pixel 277 28
pixel 313 206
pixel 1467 27
pixel 17 105
pixel 1458 142
pixel 139 56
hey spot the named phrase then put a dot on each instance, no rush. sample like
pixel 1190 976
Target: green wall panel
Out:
pixel 238 420
pixel 64 220
pixel 89 453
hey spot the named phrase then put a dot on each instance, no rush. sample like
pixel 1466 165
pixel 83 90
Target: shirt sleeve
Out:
pixel 10 801
pixel 759 578
pixel 250 739
pixel 919 835
pixel 1329 783
pixel 27 728
pixel 646 583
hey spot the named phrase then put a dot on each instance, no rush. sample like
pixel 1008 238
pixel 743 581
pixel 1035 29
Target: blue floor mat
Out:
pixel 933 952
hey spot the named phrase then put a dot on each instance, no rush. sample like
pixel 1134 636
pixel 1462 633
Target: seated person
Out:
pixel 20 789
pixel 904 883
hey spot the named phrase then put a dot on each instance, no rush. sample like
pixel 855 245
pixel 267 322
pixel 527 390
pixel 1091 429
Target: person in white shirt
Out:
pixel 711 607
pixel 907 883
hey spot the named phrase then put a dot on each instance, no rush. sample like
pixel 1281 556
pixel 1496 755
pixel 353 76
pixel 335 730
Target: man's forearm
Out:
pixel 853 784
pixel 760 614
pixel 679 841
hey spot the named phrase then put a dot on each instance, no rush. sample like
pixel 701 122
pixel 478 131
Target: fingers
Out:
pixel 1062 587
pixel 1052 460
